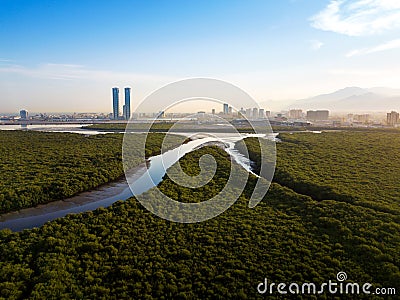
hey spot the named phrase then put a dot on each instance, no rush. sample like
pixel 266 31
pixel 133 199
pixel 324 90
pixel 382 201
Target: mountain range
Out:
pixel 349 99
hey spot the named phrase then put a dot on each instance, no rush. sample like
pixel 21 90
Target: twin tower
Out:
pixel 126 110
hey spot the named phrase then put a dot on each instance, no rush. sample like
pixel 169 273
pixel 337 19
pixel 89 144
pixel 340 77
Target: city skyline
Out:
pixel 291 117
pixel 63 56
pixel 389 97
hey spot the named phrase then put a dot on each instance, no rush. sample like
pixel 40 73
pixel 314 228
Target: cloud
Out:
pixel 48 71
pixel 316 45
pixel 394 44
pixel 56 71
pixel 358 17
pixel 66 87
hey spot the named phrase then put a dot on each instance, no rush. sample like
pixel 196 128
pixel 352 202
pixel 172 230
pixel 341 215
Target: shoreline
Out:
pixel 103 191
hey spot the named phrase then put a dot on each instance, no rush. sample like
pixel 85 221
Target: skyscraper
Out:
pixel 248 113
pixel 226 109
pixel 255 113
pixel 393 118
pixel 115 94
pixel 24 114
pixel 127 106
pixel 295 114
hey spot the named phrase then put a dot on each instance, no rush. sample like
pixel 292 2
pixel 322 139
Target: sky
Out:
pixel 65 56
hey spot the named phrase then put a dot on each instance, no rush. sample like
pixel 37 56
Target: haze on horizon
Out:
pixel 66 56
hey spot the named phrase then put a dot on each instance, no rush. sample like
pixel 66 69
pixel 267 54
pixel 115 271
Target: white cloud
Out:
pixel 394 44
pixel 316 45
pixel 358 17
pixel 63 87
pixel 76 72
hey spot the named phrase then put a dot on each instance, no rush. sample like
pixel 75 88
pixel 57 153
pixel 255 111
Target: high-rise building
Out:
pixel 318 115
pixel 248 113
pixel 124 111
pixel 23 114
pixel 255 113
pixel 226 109
pixel 230 110
pixel 392 118
pixel 268 113
pixel 127 106
pixel 362 118
pixel 213 111
pixel 295 114
pixel 115 94
pixel 261 113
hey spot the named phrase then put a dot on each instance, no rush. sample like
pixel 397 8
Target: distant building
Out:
pixel 255 113
pixel 318 115
pixel 213 111
pixel 295 114
pixel 362 118
pixel 127 106
pixel 230 110
pixel 392 118
pixel 280 118
pixel 248 113
pixel 261 113
pixel 124 112
pixel 226 109
pixel 268 113
pixel 115 95
pixel 201 115
pixel 24 114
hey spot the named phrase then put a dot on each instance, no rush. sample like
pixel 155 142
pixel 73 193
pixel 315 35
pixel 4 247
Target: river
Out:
pixel 71 128
pixel 105 195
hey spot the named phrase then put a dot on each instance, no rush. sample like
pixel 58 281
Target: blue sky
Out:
pixel 66 55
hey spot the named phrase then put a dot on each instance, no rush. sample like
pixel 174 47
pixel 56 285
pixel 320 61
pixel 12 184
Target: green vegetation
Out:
pixel 282 128
pixel 125 252
pixel 40 167
pixel 354 176
pixel 354 167
pixel 165 127
pixel 190 166
pixel 358 168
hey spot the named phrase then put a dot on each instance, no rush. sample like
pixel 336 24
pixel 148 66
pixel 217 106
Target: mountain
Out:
pixel 385 91
pixel 274 105
pixel 353 99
